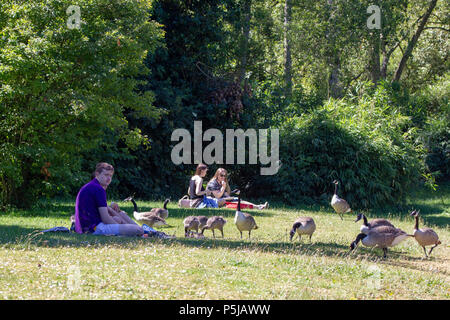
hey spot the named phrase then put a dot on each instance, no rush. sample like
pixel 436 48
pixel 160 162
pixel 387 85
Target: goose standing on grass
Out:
pixel 162 212
pixel 202 221
pixel 425 236
pixel 303 226
pixel 339 205
pixel 190 223
pixel 216 222
pixel 382 237
pixel 149 218
pixel 244 221
pixel 372 224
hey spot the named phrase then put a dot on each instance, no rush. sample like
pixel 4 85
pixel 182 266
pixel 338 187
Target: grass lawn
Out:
pixel 269 266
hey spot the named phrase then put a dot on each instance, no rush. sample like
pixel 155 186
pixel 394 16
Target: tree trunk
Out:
pixel 333 59
pixel 374 63
pixel 413 41
pixel 246 8
pixel 386 57
pixel 334 83
pixel 287 49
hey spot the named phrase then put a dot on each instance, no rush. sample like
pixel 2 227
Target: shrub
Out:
pixel 367 146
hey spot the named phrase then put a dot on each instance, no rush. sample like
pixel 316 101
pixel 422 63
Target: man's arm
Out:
pixel 104 215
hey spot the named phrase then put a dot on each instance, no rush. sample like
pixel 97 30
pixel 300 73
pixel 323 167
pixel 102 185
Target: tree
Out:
pixel 413 41
pixel 287 48
pixel 62 87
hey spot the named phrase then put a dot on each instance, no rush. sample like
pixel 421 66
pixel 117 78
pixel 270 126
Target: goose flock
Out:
pixel 377 233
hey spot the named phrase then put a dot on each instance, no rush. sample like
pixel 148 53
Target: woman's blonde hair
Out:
pixel 222 171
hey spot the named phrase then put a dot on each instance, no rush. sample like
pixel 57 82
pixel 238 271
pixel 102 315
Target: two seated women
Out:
pixel 217 191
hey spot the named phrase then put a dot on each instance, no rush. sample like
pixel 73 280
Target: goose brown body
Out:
pixel 303 226
pixel 372 224
pixel 161 212
pixel 381 237
pixel 244 221
pixel 339 205
pixel 202 220
pixel 425 236
pixel 216 222
pixel 149 217
pixel 191 223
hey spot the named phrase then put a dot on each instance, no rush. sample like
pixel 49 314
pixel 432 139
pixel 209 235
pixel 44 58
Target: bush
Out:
pixel 366 145
pixel 436 139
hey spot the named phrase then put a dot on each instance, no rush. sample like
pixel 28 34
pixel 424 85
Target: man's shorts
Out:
pixel 103 229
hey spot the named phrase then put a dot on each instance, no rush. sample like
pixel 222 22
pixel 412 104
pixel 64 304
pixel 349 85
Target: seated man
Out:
pixel 92 214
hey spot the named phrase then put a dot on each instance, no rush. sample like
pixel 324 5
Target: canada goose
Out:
pixel 381 237
pixel 162 212
pixel 149 218
pixel 303 225
pixel 202 221
pixel 339 205
pixel 425 236
pixel 216 222
pixel 244 221
pixel 190 223
pixel 372 224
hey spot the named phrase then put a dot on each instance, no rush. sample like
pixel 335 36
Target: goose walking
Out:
pixel 303 226
pixel 425 236
pixel 216 222
pixel 372 224
pixel 244 221
pixel 339 205
pixel 381 237
pixel 149 218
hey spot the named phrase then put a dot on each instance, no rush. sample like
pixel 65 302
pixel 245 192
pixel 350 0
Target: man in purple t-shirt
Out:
pixel 92 214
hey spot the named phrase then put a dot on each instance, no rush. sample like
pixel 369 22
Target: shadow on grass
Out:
pixel 16 235
pixel 28 239
pixel 397 258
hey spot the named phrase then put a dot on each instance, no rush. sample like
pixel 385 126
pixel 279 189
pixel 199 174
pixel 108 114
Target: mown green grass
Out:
pixel 269 266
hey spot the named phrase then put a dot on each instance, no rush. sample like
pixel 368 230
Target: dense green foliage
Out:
pixel 363 143
pixel 62 88
pixel 115 90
